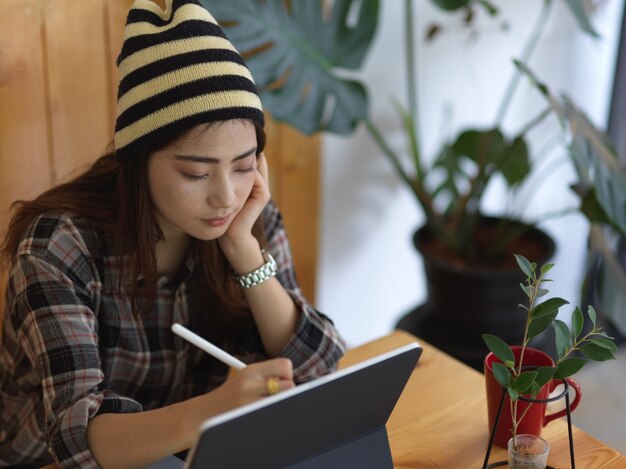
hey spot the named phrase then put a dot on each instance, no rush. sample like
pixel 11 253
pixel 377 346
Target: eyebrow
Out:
pixel 210 159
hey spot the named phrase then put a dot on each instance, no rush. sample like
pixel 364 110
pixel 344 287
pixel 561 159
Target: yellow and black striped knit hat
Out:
pixel 177 70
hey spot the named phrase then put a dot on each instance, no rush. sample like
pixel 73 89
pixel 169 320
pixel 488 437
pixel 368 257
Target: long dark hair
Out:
pixel 114 196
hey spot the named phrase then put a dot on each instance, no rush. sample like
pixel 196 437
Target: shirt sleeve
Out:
pixel 53 318
pixel 316 346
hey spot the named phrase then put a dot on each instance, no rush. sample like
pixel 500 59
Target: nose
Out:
pixel 221 192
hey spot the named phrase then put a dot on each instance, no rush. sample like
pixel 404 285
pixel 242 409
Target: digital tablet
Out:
pixel 336 421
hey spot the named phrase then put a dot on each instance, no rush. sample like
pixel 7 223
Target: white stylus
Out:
pixel 207 346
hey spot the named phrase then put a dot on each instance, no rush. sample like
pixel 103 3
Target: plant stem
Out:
pixel 536 282
pixel 541 174
pixel 388 152
pixel 526 53
pixel 411 84
pixel 524 413
pixel 536 120
pixel 410 59
pixel 575 346
pixel 559 213
pixel 514 422
pixel 422 196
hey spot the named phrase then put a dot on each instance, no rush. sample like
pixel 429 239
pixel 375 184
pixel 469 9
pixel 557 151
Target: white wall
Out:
pixel 369 273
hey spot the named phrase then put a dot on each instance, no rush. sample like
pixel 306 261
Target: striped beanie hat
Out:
pixel 177 70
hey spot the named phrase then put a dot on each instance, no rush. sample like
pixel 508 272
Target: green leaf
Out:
pixel 577 322
pixel 483 147
pixel 539 324
pixel 535 389
pixel 524 381
pixel 563 337
pixel 544 375
pixel 451 5
pixel 603 334
pixel 577 7
pixel 605 343
pixel 490 7
pixel 299 56
pixel 597 352
pixel 499 347
pixel 501 373
pixel 524 264
pixel 541 87
pixel 546 268
pixel 597 165
pixel 541 292
pixel 514 162
pixel 526 289
pixel 592 315
pixel 590 205
pixel 569 366
pixel 513 394
pixel 548 307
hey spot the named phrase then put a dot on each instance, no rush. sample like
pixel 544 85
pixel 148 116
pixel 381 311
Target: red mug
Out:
pixel 536 418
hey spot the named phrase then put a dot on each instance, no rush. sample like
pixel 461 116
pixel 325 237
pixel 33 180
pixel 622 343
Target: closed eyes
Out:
pixel 193 177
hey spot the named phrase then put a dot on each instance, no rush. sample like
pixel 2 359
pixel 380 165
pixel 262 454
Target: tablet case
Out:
pixel 336 421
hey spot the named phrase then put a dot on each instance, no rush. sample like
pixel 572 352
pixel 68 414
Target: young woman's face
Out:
pixel 199 183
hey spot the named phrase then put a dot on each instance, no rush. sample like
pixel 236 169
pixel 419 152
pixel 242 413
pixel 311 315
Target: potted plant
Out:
pixel 303 56
pixel 524 371
pixel 471 278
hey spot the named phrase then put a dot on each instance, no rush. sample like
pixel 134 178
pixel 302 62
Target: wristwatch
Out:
pixel 260 275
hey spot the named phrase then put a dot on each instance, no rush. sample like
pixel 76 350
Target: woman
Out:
pixel 176 226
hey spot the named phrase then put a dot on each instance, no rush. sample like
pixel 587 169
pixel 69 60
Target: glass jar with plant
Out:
pixel 526 374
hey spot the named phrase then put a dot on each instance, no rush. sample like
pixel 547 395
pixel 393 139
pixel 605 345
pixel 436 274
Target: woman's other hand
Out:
pixel 240 229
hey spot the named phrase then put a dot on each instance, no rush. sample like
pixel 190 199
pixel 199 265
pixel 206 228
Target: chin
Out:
pixel 208 234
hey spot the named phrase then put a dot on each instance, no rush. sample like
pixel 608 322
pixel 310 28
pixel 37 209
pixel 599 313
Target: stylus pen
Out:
pixel 207 346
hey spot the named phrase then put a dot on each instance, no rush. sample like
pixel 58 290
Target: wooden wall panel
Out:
pixel 294 162
pixel 58 87
pixel 116 12
pixel 78 80
pixel 24 155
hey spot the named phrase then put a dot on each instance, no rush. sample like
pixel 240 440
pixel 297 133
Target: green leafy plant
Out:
pixel 301 54
pixel 451 187
pixel 305 57
pixel 601 187
pixel 573 346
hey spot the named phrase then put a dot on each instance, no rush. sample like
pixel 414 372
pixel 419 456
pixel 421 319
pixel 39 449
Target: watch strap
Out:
pixel 260 275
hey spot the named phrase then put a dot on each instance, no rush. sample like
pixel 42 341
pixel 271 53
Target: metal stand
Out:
pixel 541 401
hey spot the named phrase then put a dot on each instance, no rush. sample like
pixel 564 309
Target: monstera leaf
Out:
pixel 299 53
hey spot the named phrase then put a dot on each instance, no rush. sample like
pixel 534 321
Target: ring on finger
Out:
pixel 272 385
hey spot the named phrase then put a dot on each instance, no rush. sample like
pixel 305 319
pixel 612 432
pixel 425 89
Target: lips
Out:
pixel 216 221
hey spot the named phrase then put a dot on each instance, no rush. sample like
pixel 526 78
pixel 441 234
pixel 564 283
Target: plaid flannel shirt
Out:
pixel 71 349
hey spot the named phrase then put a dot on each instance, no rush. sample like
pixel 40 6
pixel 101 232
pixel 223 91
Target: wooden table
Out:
pixel 440 420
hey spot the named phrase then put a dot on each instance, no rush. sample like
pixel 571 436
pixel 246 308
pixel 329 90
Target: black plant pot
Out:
pixel 464 302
